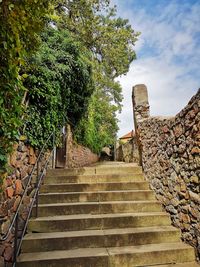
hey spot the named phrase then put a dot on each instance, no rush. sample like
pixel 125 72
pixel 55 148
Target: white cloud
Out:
pixel 170 71
pixel 168 91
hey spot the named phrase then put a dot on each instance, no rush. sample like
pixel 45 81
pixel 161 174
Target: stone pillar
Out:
pixel 140 111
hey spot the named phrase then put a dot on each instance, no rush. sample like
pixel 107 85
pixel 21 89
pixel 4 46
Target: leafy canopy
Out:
pixel 111 42
pixel 110 39
pixel 60 84
pixel 88 47
pixel 20 23
pixel 98 126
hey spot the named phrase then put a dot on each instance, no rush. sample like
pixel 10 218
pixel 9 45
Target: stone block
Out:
pixel 32 156
pixel 18 187
pixel 195 150
pixel 13 159
pixel 10 191
pixel 195 197
pixel 8 253
pixel 26 200
pixel 194 179
pixel 5 226
pixel 3 210
pixel 16 203
pixel 178 130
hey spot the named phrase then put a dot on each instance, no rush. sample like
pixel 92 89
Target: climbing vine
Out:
pixel 98 127
pixel 60 85
pixel 20 21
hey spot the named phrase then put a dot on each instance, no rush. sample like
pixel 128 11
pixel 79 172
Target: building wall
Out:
pixel 170 155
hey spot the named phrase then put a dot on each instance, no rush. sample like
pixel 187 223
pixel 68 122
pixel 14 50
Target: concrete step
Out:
pixel 96 196
pixel 101 216
pixel 97 221
pixel 99 238
pixel 97 207
pixel 101 169
pixel 127 177
pixel 83 187
pixel 146 255
pixel 143 255
pixel 187 264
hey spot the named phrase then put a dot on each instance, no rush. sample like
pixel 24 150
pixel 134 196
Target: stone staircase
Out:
pixel 101 216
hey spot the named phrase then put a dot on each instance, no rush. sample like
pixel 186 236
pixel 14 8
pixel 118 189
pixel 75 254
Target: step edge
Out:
pixel 105 232
pixel 100 216
pixel 107 251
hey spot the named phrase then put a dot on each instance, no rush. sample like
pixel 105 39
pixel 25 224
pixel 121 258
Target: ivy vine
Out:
pixel 20 23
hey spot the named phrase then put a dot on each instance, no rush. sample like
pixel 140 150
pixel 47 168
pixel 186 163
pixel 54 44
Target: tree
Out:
pixel 110 39
pixel 98 126
pixel 111 42
pixel 20 23
pixel 59 82
pixel 60 85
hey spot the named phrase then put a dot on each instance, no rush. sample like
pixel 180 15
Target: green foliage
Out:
pixel 111 42
pixel 20 21
pixel 99 125
pixel 60 84
pixel 110 39
pixel 89 47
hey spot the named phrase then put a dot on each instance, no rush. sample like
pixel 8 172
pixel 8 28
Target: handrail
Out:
pixel 30 210
pixel 25 191
pixel 39 176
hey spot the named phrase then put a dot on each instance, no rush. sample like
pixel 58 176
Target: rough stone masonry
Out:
pixel 21 163
pixel 170 155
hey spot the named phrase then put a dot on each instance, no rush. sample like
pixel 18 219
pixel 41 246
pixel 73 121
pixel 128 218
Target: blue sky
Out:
pixel 168 54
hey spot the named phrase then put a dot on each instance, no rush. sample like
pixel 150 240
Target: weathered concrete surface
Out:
pixel 90 187
pixel 96 229
pixel 99 238
pixel 142 255
pixel 98 207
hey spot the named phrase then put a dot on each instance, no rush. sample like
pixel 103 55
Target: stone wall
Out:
pixel 78 155
pixel 127 152
pixel 170 155
pixel 21 163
